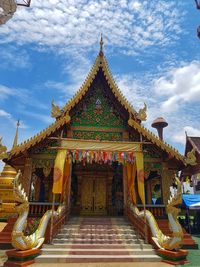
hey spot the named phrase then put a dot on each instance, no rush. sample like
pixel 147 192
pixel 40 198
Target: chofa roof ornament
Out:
pixel 142 113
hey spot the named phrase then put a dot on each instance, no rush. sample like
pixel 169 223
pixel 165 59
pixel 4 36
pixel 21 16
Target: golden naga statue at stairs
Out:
pixel 21 241
pixel 162 241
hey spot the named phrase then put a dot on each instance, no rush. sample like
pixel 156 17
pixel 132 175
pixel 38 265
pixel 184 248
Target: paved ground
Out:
pixel 194 255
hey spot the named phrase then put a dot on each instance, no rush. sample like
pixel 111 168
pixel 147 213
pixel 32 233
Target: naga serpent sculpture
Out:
pixel 162 241
pixel 19 239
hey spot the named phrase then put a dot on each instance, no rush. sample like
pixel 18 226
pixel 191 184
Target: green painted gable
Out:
pixel 98 114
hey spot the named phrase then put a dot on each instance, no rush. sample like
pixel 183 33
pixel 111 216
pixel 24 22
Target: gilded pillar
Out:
pixel 125 185
pixel 167 180
pixel 26 180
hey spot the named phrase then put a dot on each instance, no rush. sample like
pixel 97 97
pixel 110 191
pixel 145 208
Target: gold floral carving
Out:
pixel 167 180
pixel 47 168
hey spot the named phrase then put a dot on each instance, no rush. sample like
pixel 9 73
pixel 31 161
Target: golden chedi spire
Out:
pixel 15 142
pixel 8 174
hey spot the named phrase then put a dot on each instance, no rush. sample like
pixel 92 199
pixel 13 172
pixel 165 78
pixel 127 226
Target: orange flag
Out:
pixel 66 180
pixel 140 175
pixel 59 172
pixel 131 172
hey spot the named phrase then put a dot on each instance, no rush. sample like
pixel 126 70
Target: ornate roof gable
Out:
pixel 100 63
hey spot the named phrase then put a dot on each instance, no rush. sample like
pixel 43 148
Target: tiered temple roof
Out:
pixel 134 121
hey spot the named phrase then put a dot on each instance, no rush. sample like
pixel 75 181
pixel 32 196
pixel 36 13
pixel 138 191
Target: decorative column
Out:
pixel 125 186
pixel 78 203
pixel 27 175
pixel 167 180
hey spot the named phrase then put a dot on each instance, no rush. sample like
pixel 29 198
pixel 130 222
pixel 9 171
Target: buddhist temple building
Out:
pixel 105 154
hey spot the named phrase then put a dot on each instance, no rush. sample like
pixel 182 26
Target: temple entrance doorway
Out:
pixel 93 196
pixel 97 189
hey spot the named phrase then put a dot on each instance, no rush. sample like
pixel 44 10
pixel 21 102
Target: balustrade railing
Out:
pixel 37 209
pixel 140 225
pixel 156 210
pixel 58 221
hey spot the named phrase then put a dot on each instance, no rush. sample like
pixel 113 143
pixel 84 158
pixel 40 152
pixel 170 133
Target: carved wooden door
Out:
pixel 100 196
pixel 93 196
pixel 87 196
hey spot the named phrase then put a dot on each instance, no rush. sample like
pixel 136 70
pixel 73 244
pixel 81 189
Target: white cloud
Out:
pixel 179 86
pixel 181 136
pixel 171 86
pixel 5 92
pixel 5 114
pixel 132 24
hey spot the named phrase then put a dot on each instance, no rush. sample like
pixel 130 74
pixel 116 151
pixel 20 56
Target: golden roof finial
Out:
pixel 101 45
pixel 16 136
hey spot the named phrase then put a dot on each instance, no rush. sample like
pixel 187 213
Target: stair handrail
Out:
pixel 152 231
pixel 58 222
pixel 142 227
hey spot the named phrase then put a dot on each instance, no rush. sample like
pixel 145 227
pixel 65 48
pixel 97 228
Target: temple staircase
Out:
pixel 97 239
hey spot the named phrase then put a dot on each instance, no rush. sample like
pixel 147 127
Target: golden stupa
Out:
pixel 7 199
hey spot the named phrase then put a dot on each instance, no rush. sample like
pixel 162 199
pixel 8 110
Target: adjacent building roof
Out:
pixel 195 143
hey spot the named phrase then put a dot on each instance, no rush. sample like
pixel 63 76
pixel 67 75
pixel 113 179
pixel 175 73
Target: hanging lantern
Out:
pixel 7 10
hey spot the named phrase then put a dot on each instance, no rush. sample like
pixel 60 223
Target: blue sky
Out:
pixel 152 49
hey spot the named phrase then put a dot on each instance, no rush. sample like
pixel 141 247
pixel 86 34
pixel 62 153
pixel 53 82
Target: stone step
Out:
pixel 60 258
pixel 127 251
pixel 100 229
pixel 107 226
pixel 98 246
pixel 96 235
pixel 97 231
pixel 95 241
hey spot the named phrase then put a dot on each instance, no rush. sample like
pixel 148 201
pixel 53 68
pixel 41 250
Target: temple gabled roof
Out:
pixel 100 63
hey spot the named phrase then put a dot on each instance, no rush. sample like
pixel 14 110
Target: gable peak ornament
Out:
pixel 101 46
